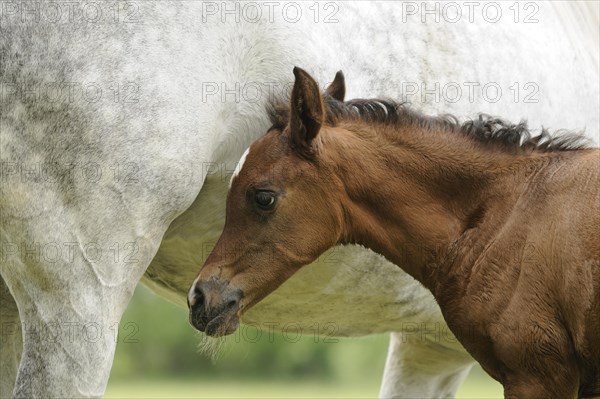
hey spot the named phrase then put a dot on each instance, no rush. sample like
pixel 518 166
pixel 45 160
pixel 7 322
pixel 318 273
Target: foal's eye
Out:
pixel 265 200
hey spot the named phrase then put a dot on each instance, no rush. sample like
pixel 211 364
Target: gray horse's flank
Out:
pixel 117 137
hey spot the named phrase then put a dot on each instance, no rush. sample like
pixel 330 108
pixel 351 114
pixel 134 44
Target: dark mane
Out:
pixel 484 129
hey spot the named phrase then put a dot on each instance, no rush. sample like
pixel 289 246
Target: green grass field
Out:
pixel 157 357
pixel 218 390
pixel 476 386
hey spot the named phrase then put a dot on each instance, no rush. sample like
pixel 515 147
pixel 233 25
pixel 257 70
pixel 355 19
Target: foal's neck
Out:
pixel 413 194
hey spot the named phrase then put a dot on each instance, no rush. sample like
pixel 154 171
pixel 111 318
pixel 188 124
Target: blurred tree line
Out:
pixel 156 341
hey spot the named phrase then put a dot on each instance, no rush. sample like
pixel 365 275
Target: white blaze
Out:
pixel 192 294
pixel 239 166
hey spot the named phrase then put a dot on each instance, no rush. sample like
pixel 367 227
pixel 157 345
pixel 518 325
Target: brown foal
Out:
pixel 501 227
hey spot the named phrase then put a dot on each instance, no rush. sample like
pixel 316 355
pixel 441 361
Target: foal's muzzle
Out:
pixel 213 307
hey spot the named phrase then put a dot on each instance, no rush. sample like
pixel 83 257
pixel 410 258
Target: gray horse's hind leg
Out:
pixel 11 341
pixel 417 367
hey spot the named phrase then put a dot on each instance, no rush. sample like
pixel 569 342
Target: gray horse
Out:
pixel 121 123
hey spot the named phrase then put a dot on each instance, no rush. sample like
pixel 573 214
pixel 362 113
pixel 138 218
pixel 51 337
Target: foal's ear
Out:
pixel 307 112
pixel 337 88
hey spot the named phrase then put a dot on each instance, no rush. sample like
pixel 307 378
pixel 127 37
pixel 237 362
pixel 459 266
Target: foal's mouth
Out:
pixel 223 324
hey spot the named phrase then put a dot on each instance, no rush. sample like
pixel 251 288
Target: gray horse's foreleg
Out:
pixel 67 348
pixel 70 303
pixel 11 342
pixel 418 367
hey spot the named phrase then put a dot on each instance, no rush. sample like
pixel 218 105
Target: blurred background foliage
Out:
pixel 159 355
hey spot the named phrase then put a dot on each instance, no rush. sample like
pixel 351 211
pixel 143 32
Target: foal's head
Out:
pixel 281 212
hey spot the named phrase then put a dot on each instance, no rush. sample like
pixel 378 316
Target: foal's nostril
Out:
pixel 231 303
pixel 233 299
pixel 197 298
